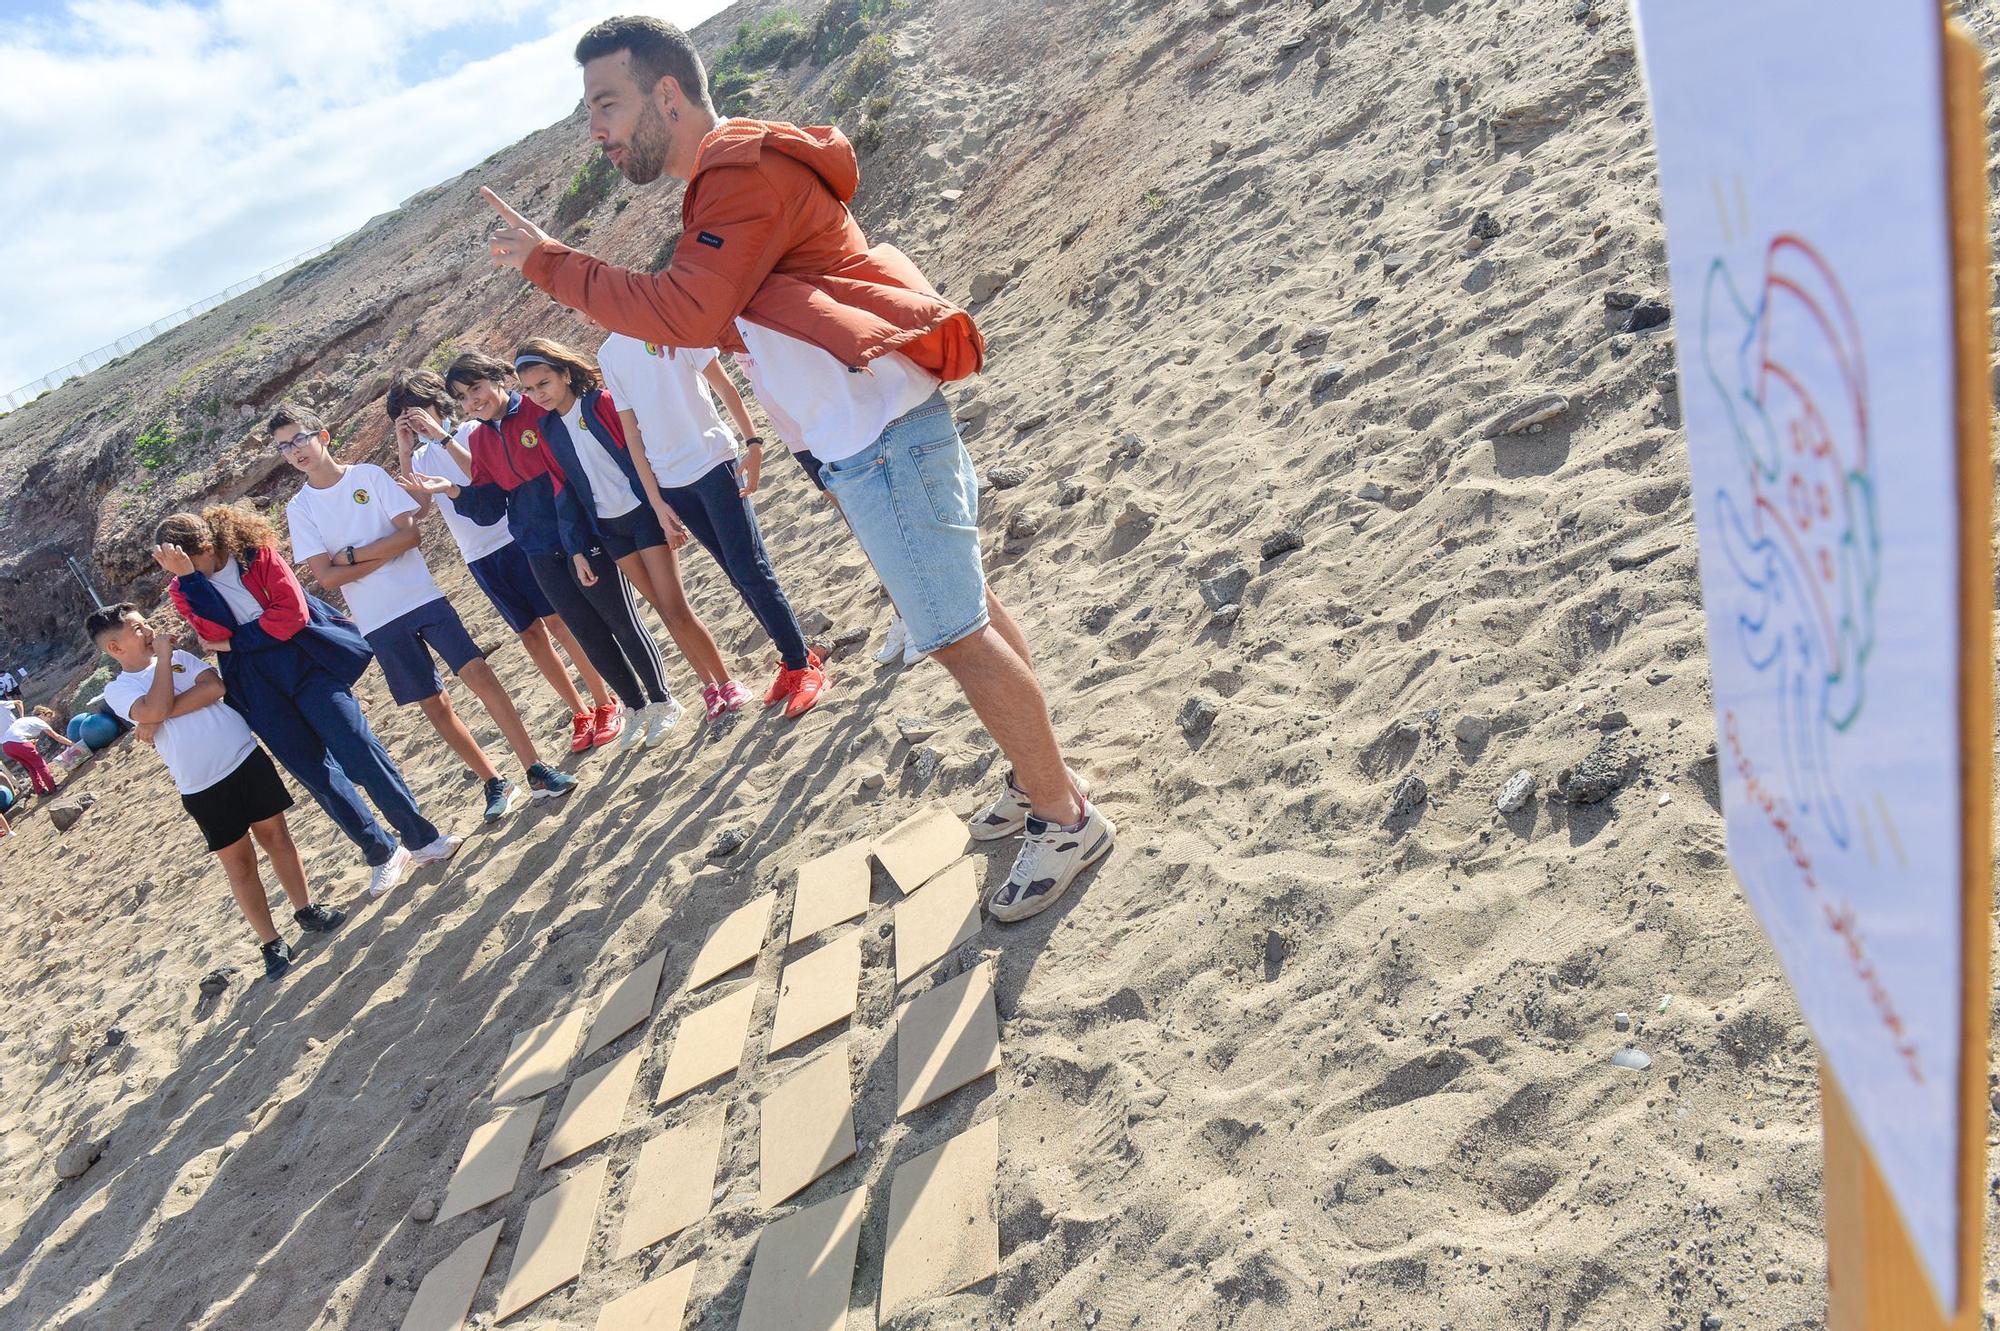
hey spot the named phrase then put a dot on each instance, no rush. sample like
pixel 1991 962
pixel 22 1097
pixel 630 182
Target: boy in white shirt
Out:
pixel 18 742
pixel 227 782
pixel 355 528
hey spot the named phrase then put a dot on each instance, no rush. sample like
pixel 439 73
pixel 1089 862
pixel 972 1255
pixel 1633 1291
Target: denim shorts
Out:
pixel 913 502
pixel 403 648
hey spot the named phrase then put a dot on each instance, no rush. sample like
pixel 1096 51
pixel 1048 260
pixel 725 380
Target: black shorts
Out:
pixel 250 794
pixel 812 466
pixel 628 532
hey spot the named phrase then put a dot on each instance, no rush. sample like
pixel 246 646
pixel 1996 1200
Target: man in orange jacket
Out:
pixel 851 343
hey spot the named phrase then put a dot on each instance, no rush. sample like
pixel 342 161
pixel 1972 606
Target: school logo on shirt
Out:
pixel 654 349
pixel 529 439
pixel 360 496
pixel 180 669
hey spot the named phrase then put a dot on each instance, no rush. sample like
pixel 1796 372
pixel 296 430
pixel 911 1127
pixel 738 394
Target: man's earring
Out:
pixel 674 113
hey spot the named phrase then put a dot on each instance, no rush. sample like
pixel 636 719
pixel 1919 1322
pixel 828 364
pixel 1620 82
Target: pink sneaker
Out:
pixel 733 696
pixel 711 697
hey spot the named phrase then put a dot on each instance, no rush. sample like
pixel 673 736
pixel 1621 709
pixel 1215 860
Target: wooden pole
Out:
pixel 1874 1280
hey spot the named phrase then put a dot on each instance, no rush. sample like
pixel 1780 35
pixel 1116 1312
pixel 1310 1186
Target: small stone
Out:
pixel 1621 346
pixel 814 621
pixel 731 840
pixel 1371 493
pixel 1267 378
pixel 915 729
pixel 1006 476
pixel 1711 1322
pixel 987 285
pixel 1395 260
pixel 1311 344
pixel 1650 314
pixel 1621 300
pixel 1098 618
pixel 113 1037
pixel 1528 414
pixel 1326 381
pixel 1071 493
pixel 1366 303
pixel 922 764
pixel 1484 227
pixel 1274 951
pixel 1638 1060
pixel 1226 615
pixel 1774 1275
pixel 1621 1021
pixel 1322 57
pixel 1595 778
pixel 1410 795
pixel 1472 730
pixel 1196 717
pixel 951 195
pixel 1222 9
pixel 424 1211
pixel 216 981
pixel 873 779
pixel 1022 527
pixel 77 1158
pixel 64 814
pixel 852 636
pixel 1613 721
pixel 1282 542
pixel 1225 587
pixel 1218 147
pixel 1514 796
pixel 144 888
pixel 1032 421
pixel 1126 447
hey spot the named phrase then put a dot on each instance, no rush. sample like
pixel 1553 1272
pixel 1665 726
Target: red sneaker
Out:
pixel 806 688
pixel 781 687
pixel 581 727
pixel 606 723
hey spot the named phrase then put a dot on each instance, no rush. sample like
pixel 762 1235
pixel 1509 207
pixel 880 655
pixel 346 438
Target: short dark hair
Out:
pixel 291 413
pixel 474 367
pixel 658 49
pixel 418 388
pixel 108 619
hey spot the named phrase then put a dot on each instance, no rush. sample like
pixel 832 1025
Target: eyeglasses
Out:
pixel 299 440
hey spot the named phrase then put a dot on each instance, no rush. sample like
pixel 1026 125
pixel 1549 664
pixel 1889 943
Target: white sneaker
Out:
pixel 910 653
pixel 660 717
pixel 634 733
pixel 1051 857
pixel 438 851
pixel 1008 813
pixel 895 643
pixel 389 872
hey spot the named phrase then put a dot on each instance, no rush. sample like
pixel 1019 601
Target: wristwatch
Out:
pixel 754 441
pixel 350 556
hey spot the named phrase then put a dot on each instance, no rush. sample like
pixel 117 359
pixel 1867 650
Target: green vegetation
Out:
pixel 441 357
pixel 665 254
pixel 590 186
pixel 1154 201
pixel 778 38
pixel 158 445
pixel 866 72
pixel 256 331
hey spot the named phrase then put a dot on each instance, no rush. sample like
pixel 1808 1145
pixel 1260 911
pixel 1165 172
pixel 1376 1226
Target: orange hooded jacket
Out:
pixel 766 236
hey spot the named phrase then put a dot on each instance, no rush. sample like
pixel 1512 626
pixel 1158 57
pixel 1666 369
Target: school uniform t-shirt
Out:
pixel 432 458
pixel 684 435
pixel 28 729
pixel 358 508
pixel 201 747
pixel 610 492
pixel 838 412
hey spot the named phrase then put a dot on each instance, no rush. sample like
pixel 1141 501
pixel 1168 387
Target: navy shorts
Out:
pixel 812 465
pixel 629 532
pixel 510 584
pixel 403 648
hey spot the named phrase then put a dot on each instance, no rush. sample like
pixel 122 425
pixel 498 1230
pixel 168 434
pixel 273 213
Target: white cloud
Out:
pixel 158 152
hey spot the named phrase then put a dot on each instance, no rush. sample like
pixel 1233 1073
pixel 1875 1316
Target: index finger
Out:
pixel 502 207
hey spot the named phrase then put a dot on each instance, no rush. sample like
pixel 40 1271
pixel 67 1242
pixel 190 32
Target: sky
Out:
pixel 158 151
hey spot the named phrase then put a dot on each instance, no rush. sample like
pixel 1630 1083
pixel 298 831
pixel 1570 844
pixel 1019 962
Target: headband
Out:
pixel 530 358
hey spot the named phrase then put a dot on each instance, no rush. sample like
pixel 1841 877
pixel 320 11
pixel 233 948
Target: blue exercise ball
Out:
pixel 93 730
pixel 6 799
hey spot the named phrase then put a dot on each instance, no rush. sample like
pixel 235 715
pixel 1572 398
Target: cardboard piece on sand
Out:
pixel 445 1296
pixel 937 918
pixel 707 1043
pixel 492 1160
pixel 918 847
pixel 946 1038
pixel 672 1182
pixel 657 1305
pixel 803 1268
pixel 943 1232
pixel 807 1124
pixel 554 1239
pixel 538 1058
pixel 833 889
pixel 736 938
pixel 817 990
pixel 594 1107
pixel 629 1003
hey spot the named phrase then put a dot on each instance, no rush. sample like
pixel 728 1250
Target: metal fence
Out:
pixel 132 341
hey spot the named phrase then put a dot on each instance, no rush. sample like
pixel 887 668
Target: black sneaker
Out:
pixel 277 958
pixel 501 797
pixel 318 919
pixel 546 783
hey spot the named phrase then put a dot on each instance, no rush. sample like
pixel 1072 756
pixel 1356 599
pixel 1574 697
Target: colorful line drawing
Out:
pixel 1797 523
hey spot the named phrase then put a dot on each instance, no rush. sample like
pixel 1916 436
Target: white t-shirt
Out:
pixel 201 747
pixel 684 434
pixel 432 458
pixel 228 581
pixel 28 729
pixel 6 682
pixel 358 508
pixel 837 412
pixel 610 492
